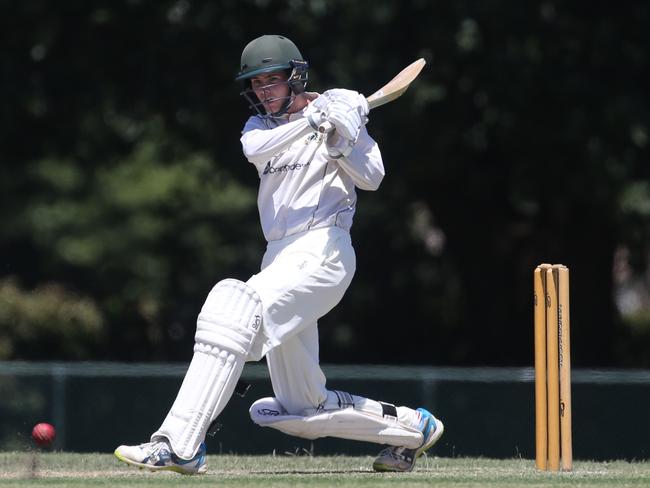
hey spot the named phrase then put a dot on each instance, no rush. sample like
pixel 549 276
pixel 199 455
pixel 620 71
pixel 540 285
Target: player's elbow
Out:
pixel 252 152
pixel 248 148
pixel 371 181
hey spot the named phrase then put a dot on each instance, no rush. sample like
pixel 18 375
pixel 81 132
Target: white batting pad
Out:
pixel 342 415
pixel 226 328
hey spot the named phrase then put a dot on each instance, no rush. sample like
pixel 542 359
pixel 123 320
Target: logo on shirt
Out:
pixel 269 170
pixel 314 136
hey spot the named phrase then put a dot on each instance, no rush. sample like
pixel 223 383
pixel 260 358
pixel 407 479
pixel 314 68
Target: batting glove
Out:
pixel 348 118
pixel 316 111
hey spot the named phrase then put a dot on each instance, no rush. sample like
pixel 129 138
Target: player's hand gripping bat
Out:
pixel 390 91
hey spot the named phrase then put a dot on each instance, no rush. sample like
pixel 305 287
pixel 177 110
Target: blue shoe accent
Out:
pixel 165 457
pixel 428 426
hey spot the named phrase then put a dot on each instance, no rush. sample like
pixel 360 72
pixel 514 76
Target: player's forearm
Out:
pixel 364 164
pixel 261 145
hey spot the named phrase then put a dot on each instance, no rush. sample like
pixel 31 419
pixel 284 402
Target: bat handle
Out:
pixel 325 127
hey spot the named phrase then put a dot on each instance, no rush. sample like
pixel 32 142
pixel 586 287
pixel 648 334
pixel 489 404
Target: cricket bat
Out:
pixel 392 90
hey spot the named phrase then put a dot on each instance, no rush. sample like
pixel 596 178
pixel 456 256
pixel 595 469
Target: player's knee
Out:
pixel 266 411
pixel 230 318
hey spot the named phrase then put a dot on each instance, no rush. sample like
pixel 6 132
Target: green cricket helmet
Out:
pixel 267 54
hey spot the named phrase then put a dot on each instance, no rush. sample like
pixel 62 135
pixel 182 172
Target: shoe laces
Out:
pixel 156 449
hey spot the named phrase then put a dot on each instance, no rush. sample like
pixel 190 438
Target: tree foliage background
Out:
pixel 125 195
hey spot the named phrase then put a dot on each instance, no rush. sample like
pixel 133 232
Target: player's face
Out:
pixel 271 89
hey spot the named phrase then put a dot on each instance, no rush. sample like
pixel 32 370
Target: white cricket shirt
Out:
pixel 301 187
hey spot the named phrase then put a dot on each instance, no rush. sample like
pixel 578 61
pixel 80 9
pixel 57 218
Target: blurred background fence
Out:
pixel 487 411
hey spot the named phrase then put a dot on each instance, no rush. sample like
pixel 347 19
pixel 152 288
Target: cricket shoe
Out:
pixel 400 459
pixel 158 456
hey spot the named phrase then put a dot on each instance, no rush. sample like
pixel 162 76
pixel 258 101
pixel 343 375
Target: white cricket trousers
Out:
pixel 303 277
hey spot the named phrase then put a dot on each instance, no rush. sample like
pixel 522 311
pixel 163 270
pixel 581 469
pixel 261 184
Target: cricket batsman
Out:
pixel 306 200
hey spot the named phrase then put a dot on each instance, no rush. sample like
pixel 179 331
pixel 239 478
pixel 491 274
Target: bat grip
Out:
pixel 325 127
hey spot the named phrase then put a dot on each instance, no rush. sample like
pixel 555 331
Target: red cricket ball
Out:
pixel 43 434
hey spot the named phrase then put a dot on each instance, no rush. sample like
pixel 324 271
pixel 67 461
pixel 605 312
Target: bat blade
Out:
pixel 396 87
pixel 392 90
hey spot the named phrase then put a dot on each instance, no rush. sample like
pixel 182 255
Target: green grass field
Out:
pixel 81 470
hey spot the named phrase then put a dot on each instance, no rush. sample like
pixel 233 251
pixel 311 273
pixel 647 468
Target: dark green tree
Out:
pixel 525 139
